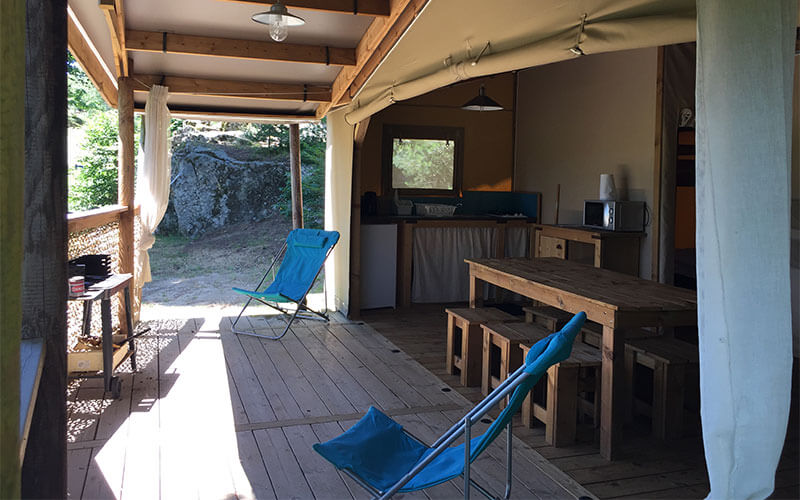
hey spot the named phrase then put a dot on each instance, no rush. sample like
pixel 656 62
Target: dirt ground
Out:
pixel 201 272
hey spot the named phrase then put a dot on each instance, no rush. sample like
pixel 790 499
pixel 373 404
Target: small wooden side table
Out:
pixel 103 291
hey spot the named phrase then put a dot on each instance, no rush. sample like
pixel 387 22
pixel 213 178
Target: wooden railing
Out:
pixel 88 219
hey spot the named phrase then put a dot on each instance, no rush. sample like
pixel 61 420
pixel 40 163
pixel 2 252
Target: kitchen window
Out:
pixel 422 160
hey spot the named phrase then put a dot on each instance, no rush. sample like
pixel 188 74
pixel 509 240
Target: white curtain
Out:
pixel 440 274
pixel 744 101
pixel 153 176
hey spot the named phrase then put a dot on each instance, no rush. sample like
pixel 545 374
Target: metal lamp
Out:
pixel 278 19
pixel 482 102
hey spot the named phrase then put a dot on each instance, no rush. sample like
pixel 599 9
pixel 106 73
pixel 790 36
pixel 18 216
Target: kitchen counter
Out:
pixel 411 219
pixel 406 224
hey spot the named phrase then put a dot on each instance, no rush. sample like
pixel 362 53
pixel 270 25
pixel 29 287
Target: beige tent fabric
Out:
pixel 610 26
pixel 338 184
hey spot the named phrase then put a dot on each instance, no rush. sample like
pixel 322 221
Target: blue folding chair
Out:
pixel 301 259
pixel 386 459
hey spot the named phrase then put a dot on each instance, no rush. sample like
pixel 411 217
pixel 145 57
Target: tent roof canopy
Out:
pixel 217 62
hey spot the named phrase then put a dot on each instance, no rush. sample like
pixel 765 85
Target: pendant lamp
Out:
pixel 278 19
pixel 482 102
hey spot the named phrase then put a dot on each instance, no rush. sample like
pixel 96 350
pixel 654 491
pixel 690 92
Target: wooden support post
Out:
pixel 12 184
pixel 127 152
pixel 44 273
pixel 297 180
pixel 354 311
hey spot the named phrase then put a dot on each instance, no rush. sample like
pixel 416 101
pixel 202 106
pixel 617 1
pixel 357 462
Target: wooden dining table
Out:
pixel 616 301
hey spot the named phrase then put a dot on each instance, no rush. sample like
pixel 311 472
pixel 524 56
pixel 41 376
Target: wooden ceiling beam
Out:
pixel 173 43
pixel 358 7
pixel 116 30
pixel 234 89
pixel 87 56
pixel 378 40
pixel 228 115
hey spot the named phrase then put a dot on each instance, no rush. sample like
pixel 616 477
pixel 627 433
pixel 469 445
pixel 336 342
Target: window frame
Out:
pixel 391 132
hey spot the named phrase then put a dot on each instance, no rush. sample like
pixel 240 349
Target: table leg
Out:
pixel 87 317
pixel 475 291
pixel 612 409
pixel 108 343
pixel 129 323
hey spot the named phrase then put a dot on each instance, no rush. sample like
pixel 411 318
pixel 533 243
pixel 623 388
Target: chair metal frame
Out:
pixel 463 427
pixel 301 309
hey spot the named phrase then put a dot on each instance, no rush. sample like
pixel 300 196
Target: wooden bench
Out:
pixel 669 358
pixel 551 318
pixel 506 338
pixel 592 334
pixel 564 382
pixel 465 350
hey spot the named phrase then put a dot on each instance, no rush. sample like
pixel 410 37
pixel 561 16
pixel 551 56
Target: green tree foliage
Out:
pixel 313 138
pixel 422 164
pixel 83 98
pixel 93 181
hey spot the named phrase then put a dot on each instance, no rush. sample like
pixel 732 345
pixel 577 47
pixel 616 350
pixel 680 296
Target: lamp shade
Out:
pixel 278 14
pixel 482 102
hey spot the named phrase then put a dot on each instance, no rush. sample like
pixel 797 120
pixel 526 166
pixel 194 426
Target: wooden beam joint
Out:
pixel 175 43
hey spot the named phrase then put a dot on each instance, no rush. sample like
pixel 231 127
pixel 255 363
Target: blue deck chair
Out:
pixel 304 253
pixel 385 459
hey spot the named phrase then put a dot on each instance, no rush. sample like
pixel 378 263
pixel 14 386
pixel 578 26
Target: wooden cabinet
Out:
pixel 617 251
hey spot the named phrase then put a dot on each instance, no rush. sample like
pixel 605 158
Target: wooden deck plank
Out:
pixel 219 435
pixel 142 455
pixel 287 382
pixel 339 376
pixel 78 461
pixel 385 373
pixel 284 472
pixel 256 482
pixel 106 469
pixel 324 481
pixel 385 397
pixel 195 461
pixel 256 404
pixel 327 390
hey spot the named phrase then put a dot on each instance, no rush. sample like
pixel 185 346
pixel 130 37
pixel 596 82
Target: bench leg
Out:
pixel 449 365
pixel 471 355
pixel 486 371
pixel 527 412
pixel 562 405
pixel 630 374
pixel 668 389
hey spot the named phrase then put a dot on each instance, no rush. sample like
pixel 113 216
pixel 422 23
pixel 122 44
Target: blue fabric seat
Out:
pixel 303 255
pixel 380 453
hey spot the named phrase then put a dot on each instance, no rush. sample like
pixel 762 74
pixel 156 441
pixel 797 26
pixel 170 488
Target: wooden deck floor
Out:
pixel 649 468
pixel 211 414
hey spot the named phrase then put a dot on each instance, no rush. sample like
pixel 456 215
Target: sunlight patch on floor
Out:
pixel 186 437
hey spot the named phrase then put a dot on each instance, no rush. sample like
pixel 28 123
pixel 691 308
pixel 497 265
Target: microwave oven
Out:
pixel 612 215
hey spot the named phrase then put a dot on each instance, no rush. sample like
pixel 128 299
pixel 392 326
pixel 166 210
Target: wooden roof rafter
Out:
pixel 115 18
pixel 84 51
pixel 379 39
pixel 174 43
pixel 235 89
pixel 358 7
pixel 195 113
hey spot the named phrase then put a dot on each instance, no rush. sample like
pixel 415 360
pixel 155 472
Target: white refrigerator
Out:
pixel 378 265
